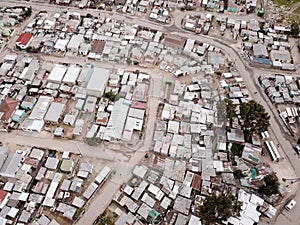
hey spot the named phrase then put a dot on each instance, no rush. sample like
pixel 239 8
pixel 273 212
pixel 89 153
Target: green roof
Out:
pixel 153 215
pixel 67 165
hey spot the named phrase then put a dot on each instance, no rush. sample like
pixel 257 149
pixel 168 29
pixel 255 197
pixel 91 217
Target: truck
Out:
pixel 290 205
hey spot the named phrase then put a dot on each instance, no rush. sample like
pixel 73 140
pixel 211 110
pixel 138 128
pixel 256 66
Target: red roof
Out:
pixel 7 108
pixel 196 182
pixel 24 38
pixel 138 105
pixel 2 195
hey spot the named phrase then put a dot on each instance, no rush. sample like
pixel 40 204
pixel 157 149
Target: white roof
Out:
pixel 173 127
pixel 40 108
pixel 23 196
pixel 61 44
pixel 2 221
pixel 10 57
pixel 103 174
pixel 75 41
pixel 11 165
pixel 194 220
pixel 78 202
pixel 256 200
pixel 117 118
pixel 98 81
pixel 54 112
pixel 72 74
pixel 12 212
pixel 52 163
pixel 57 73
pixel 33 125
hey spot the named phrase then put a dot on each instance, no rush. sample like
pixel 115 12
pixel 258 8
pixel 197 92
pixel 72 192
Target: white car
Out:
pixel 290 205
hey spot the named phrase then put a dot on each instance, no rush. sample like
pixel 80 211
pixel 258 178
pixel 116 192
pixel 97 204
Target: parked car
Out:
pixel 297 148
pixel 290 205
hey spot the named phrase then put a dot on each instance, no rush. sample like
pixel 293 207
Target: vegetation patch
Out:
pixel 238 174
pixel 285 2
pixel 105 219
pixel 216 209
pixel 237 149
pixel 271 185
pixel 111 96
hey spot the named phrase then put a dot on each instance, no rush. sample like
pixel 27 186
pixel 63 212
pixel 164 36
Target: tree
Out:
pixel 104 219
pixel 128 61
pixel 137 72
pixel 238 174
pixel 271 185
pixel 111 96
pixel 230 111
pixel 295 28
pixel 216 209
pixel 27 11
pixel 254 118
pixel 88 15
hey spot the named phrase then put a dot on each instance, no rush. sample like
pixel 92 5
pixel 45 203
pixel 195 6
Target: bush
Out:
pixel 111 96
pixel 238 174
pixel 237 149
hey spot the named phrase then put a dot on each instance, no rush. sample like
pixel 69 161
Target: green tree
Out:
pixel 27 11
pixel 128 61
pixel 216 209
pixel 238 174
pixel 270 186
pixel 230 111
pixel 88 15
pixel 254 118
pixel 295 28
pixel 111 96
pixel 237 149
pixel 104 219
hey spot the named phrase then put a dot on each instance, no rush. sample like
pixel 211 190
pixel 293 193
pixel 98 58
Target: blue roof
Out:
pixel 262 61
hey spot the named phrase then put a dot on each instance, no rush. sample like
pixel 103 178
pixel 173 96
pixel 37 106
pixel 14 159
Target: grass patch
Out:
pixel 285 2
pixel 106 218
pixel 237 149
pixel 297 10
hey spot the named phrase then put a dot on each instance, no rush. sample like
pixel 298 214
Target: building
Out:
pixel 72 75
pixel 260 50
pixel 117 120
pixel 74 43
pixel 4 197
pixel 67 165
pixel 54 112
pixel 57 73
pixel 7 108
pixel 11 165
pixel 41 108
pixel 97 82
pixel 24 40
pixel 35 121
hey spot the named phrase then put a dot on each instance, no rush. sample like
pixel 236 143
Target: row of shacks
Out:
pixel 190 160
pixel 37 180
pixel 34 95
pixel 102 38
pixel 267 46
